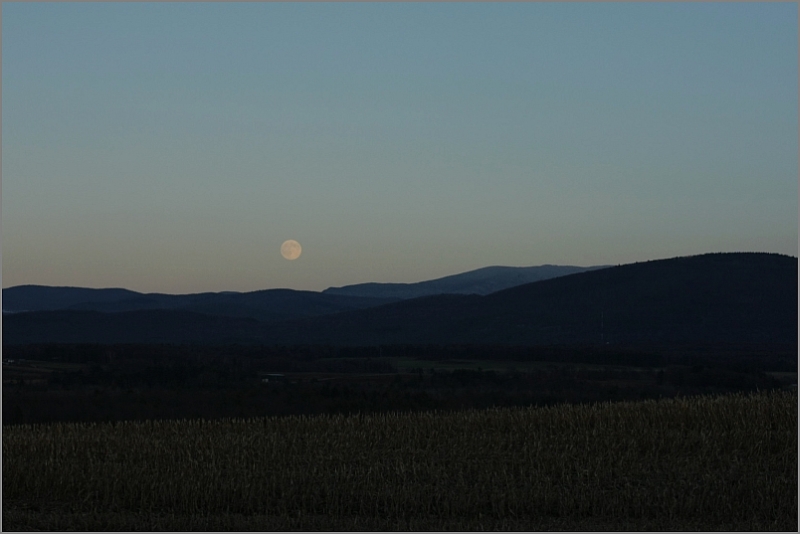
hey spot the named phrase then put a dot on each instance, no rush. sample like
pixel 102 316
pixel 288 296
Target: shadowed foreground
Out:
pixel 701 463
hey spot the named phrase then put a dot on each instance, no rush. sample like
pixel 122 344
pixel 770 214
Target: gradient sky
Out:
pixel 174 147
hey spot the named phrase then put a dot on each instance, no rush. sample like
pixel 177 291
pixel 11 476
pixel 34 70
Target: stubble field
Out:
pixel 699 463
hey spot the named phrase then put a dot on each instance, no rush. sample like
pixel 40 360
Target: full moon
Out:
pixel 291 249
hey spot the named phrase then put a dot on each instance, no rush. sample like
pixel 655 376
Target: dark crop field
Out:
pixel 723 462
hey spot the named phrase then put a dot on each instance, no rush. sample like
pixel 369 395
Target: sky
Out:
pixel 174 147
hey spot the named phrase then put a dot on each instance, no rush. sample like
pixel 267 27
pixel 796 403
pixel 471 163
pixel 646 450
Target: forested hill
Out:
pixel 713 297
pixel 730 297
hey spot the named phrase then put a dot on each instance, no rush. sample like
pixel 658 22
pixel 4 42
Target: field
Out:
pixel 35 372
pixel 724 462
pixel 408 364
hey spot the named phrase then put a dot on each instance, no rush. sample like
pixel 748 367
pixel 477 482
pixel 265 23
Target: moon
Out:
pixel 291 249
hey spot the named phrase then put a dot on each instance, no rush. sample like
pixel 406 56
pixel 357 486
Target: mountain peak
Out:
pixel 481 281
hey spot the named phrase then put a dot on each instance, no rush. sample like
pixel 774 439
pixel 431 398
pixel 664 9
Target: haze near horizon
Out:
pixel 174 147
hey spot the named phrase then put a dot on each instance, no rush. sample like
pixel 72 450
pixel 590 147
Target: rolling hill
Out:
pixel 749 297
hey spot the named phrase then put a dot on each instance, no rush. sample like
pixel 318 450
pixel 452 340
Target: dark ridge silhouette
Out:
pixel 266 305
pixel 39 298
pixel 725 297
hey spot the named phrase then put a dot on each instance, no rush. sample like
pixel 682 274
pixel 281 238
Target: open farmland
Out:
pixel 700 463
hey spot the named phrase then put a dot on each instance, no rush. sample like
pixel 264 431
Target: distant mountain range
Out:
pixel 732 297
pixel 268 305
pixel 478 282
pixel 273 305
